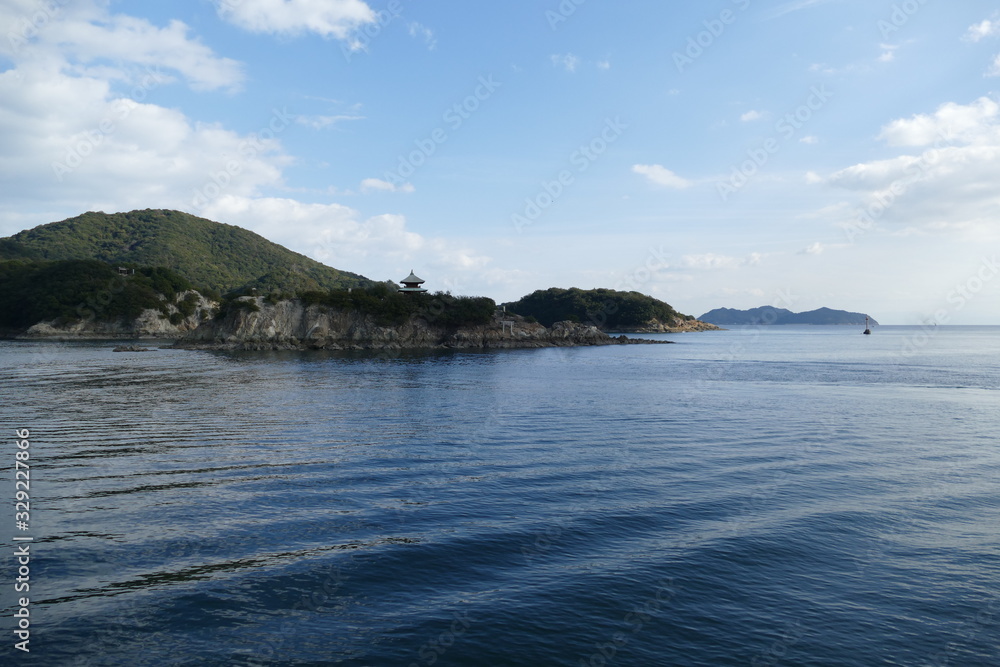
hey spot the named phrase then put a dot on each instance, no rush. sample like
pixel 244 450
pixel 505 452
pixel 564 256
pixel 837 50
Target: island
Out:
pixel 168 275
pixel 769 315
pixel 426 321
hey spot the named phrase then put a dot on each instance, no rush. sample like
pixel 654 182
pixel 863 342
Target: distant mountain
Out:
pixel 608 310
pixel 209 254
pixel 771 315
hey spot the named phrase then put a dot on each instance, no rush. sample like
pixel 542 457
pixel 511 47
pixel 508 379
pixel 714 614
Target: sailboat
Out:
pixel 867 331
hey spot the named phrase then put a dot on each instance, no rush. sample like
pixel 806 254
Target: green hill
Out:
pixel 606 309
pixel 208 254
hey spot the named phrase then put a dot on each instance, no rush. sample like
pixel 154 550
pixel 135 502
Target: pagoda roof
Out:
pixel 412 279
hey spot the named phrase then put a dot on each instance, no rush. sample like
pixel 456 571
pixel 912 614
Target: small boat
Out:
pixel 867 331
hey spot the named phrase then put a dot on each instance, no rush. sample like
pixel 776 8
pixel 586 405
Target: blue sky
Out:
pixel 840 153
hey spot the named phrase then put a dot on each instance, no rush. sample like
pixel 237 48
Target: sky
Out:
pixel 734 153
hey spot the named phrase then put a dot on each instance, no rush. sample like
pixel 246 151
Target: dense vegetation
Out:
pixel 607 309
pixel 209 254
pixel 389 307
pixel 33 291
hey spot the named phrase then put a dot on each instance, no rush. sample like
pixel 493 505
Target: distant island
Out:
pixel 170 275
pixel 768 315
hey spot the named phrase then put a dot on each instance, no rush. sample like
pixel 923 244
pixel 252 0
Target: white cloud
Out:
pixel 987 28
pixel 422 31
pixel 816 248
pixel 660 175
pixel 82 38
pixel 77 132
pixel 568 61
pixel 604 65
pixel 949 184
pixel 320 122
pixel 974 122
pixel 888 52
pixel 810 140
pixel 994 69
pixel 378 185
pixel 822 68
pixel 112 151
pixel 751 115
pixel 711 261
pixel 328 18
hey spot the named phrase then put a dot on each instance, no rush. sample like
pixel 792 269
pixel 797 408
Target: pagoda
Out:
pixel 412 284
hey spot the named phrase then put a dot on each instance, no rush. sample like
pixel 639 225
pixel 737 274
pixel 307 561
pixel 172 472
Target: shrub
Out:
pixel 390 307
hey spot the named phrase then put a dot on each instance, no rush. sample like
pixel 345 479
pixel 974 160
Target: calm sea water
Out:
pixel 793 496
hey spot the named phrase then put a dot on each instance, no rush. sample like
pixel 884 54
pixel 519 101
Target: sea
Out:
pixel 759 496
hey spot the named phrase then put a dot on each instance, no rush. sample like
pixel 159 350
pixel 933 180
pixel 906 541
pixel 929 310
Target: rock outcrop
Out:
pixel 679 325
pixel 151 323
pixel 290 324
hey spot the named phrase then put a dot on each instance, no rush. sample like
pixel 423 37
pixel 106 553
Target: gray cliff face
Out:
pixel 292 325
pixel 150 324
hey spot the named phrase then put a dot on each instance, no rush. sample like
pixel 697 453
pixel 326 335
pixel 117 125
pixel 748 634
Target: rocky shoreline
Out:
pixel 680 326
pixel 150 324
pixel 263 324
pixel 291 325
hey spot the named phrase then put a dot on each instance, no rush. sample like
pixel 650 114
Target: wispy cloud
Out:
pixel 378 185
pixel 319 122
pixel 711 261
pixel 333 20
pixel 988 28
pixel 796 6
pixel 660 175
pixel 567 61
pixel 888 52
pixel 422 31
